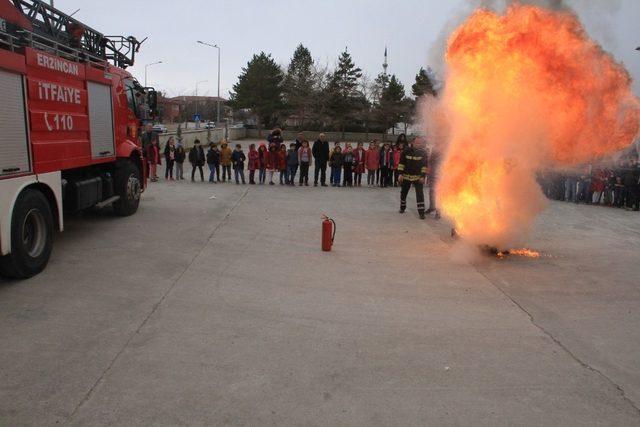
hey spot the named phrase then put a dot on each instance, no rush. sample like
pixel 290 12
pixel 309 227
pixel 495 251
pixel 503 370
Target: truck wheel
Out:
pixel 31 236
pixel 127 186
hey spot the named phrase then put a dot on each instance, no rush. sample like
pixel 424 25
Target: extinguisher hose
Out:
pixel 334 230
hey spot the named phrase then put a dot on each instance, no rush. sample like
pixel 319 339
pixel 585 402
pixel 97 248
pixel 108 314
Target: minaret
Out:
pixel 385 65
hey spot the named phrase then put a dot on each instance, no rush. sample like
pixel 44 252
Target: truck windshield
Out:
pixel 136 98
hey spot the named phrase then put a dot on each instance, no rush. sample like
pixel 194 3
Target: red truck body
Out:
pixel 69 123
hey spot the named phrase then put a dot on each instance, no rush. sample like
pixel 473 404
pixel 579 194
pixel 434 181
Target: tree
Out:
pixel 342 90
pixel 425 84
pixel 259 88
pixel 392 107
pixel 378 86
pixel 299 84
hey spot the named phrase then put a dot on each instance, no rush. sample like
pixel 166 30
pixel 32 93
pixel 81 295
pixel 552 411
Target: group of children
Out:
pixel 277 163
pixel 380 164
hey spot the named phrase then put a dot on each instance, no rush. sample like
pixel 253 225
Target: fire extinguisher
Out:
pixel 328 233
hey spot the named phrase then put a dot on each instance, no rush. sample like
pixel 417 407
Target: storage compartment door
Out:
pixel 100 120
pixel 14 147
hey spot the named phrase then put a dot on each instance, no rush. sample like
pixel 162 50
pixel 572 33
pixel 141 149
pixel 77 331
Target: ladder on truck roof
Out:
pixel 54 30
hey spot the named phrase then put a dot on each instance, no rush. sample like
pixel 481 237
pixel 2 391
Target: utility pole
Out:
pixel 215 46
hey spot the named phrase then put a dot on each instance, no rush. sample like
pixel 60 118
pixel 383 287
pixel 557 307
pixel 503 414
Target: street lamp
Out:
pixel 145 71
pixel 215 46
pixel 197 101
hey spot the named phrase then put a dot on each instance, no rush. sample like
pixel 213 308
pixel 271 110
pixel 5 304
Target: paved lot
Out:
pixel 224 311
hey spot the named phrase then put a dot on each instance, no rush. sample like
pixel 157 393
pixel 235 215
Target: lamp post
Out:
pixel 198 102
pixel 145 71
pixel 215 46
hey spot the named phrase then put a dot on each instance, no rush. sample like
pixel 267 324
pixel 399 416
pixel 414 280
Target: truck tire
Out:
pixel 31 236
pixel 127 186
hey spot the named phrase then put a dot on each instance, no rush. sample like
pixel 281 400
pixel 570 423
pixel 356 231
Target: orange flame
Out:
pixel 524 91
pixel 527 253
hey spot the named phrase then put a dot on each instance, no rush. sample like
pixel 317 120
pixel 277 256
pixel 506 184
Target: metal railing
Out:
pixel 56 30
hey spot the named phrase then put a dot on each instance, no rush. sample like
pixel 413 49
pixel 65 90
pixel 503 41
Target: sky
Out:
pixel 410 29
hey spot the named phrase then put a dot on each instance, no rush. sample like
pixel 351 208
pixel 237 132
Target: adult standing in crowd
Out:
pixel 413 170
pixel 197 159
pixel 321 156
pixel 146 139
pixel 299 140
pixel 153 159
pixel 148 136
pixel 631 176
pixel 275 137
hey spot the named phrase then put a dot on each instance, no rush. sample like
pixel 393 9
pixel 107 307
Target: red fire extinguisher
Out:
pixel 328 233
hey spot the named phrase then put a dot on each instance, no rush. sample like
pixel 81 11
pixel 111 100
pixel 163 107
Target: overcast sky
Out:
pixel 408 27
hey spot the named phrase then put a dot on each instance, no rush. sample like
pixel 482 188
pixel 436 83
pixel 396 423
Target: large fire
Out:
pixel 525 90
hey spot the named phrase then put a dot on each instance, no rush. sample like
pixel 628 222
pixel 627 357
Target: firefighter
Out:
pixel 413 170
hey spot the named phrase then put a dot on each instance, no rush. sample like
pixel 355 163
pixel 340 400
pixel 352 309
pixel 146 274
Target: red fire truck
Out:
pixel 69 120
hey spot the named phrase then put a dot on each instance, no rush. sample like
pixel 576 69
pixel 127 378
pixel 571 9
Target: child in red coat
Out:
pixel 153 157
pixel 272 161
pixel 282 164
pixel 372 163
pixel 263 158
pixel 253 163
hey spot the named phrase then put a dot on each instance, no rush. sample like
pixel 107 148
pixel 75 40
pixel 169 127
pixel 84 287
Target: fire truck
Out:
pixel 70 115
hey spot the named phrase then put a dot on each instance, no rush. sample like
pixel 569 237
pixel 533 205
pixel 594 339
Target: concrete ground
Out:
pixel 201 311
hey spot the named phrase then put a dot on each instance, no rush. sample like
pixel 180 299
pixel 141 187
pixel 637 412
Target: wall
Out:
pixel 331 136
pixel 189 136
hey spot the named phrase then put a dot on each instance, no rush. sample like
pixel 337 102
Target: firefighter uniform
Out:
pixel 413 169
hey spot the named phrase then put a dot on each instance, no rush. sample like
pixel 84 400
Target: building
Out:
pixel 182 108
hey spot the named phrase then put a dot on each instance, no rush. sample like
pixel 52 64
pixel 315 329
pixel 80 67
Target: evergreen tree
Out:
pixel 379 86
pixel 342 91
pixel 392 107
pixel 259 88
pixel 425 84
pixel 299 83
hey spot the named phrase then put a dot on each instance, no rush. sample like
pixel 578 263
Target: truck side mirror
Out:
pixel 152 101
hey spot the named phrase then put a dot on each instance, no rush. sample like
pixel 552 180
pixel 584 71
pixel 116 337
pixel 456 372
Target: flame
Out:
pixel 527 253
pixel 524 91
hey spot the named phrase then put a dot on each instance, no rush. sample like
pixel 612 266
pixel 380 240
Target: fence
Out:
pixel 188 136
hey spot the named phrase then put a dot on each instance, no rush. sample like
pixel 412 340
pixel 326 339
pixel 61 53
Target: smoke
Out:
pixel 525 90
